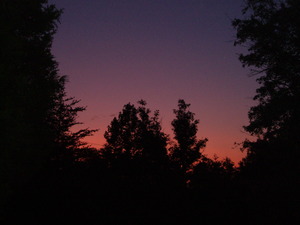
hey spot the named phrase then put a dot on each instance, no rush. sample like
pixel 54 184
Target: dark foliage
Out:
pixel 271 33
pixel 270 30
pixel 135 135
pixel 49 176
pixel 35 114
pixel 187 149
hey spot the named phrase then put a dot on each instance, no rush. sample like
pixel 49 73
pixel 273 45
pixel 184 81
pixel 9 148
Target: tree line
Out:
pixel 141 176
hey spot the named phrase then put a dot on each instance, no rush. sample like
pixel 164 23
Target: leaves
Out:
pixel 135 134
pixel 187 149
pixel 271 33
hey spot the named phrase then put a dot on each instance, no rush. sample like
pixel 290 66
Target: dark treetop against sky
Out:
pixel 120 51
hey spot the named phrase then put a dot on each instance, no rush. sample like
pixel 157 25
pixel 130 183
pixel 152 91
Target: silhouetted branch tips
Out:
pixel 135 134
pixel 270 31
pixel 272 34
pixel 36 115
pixel 50 175
pixel 187 150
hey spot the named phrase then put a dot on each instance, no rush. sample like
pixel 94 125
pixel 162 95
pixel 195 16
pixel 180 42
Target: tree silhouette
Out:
pixel 271 32
pixel 135 134
pixel 187 149
pixel 211 174
pixel 35 114
pixel 120 134
pixel 137 161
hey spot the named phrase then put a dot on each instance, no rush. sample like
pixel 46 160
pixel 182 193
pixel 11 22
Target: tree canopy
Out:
pixel 49 174
pixel 186 151
pixel 136 134
pixel 270 30
pixel 36 116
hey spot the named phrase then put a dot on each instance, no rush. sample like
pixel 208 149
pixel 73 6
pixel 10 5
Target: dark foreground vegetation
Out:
pixel 50 176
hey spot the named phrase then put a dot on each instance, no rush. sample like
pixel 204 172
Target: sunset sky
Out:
pixel 120 51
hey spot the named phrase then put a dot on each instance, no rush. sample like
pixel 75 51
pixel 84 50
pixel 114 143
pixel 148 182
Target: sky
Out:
pixel 120 51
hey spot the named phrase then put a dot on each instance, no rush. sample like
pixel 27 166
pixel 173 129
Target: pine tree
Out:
pixel 35 114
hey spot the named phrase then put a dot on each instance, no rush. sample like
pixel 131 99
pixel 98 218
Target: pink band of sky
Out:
pixel 116 52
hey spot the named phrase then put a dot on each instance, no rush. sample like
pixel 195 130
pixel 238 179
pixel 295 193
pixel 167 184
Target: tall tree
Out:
pixel 270 30
pixel 35 114
pixel 187 149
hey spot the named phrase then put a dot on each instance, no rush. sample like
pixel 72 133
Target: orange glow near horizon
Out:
pixel 221 138
pixel 116 52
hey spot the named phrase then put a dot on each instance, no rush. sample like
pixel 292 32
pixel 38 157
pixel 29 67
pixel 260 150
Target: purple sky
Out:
pixel 116 52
